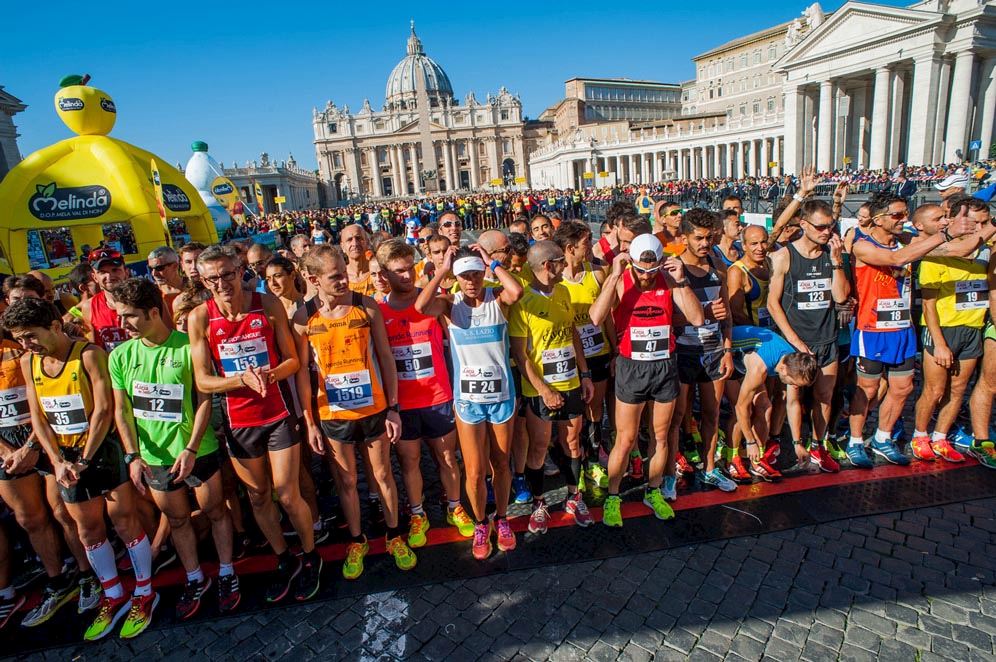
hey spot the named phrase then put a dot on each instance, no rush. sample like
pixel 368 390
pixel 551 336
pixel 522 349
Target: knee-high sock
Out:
pixel 101 557
pixel 140 552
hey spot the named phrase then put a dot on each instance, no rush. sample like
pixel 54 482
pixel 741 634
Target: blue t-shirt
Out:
pixel 767 344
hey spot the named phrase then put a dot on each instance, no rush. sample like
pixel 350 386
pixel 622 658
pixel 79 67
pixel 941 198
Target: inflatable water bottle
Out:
pixel 201 171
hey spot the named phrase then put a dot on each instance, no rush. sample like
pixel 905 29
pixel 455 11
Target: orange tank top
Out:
pixel 350 386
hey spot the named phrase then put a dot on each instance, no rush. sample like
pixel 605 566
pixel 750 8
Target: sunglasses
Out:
pixel 894 215
pixel 645 270
pixel 673 212
pixel 557 260
pixel 161 267
pixel 450 224
pixel 821 228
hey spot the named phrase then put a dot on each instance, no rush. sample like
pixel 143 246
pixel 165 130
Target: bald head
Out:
pixel 493 240
pixel 755 233
pixel 46 280
pixel 542 252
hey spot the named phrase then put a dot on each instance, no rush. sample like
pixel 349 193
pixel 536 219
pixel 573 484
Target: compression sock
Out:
pixel 101 557
pixel 534 478
pixel 140 552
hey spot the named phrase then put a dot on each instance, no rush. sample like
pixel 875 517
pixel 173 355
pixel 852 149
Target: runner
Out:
pixel 450 226
pixel 747 283
pixel 164 267
pixel 584 283
pixel 69 395
pixel 669 228
pixel 424 392
pixel 807 279
pixel 640 293
pixel 703 350
pixel 164 423
pixel 356 403
pixel 242 348
pixel 483 391
pixel 728 249
pixel 555 379
pixel 540 228
pixel 98 314
pixel 884 342
pixel 983 447
pixel 605 248
pixel 355 244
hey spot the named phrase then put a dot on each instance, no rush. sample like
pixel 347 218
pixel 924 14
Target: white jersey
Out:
pixel 479 352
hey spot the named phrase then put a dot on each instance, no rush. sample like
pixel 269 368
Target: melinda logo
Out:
pixel 175 198
pixel 70 103
pixel 50 203
pixel 222 189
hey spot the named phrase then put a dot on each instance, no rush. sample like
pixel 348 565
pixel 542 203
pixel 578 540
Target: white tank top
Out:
pixel 479 351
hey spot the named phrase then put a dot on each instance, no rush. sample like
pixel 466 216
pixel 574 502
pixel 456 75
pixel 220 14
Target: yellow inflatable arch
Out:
pixel 92 188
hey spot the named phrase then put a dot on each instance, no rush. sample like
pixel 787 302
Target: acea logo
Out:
pixel 175 198
pixel 50 203
pixel 70 103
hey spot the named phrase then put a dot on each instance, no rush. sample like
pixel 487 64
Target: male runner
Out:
pixel 354 403
pixel 641 299
pixel 355 244
pixel 242 348
pixel 450 226
pixel 69 395
pixel 98 313
pixel 164 423
pixel 983 447
pixel 605 248
pixel 164 267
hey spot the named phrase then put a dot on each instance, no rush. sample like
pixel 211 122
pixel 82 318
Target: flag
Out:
pixel 258 191
pixel 158 185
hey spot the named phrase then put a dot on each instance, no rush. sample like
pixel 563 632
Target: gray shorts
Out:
pixel 646 381
pixel 965 342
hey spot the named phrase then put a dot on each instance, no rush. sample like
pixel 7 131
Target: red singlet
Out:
pixel 417 344
pixel 106 323
pixel 644 320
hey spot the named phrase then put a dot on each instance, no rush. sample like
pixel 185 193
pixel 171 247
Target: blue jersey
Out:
pixel 767 344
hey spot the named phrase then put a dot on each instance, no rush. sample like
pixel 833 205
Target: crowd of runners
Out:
pixel 669 348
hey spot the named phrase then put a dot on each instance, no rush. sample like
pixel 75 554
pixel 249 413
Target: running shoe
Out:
pixel 801 468
pixel 598 475
pixel 765 471
pixel 417 529
pixel 521 490
pixel 282 578
pixel 944 450
pixel 10 607
pixel 821 457
pixel 612 512
pixel 771 452
pixel 961 438
pixel 459 518
pixel 539 519
pixel 110 612
pixel 636 467
pixel 32 571
pixel 684 467
pixel 654 500
pixel 715 478
pixel 985 453
pixel 738 470
pixel 549 467
pixel 139 615
pixel 53 598
pixel 190 599
pixel 578 509
pixel 321 533
pixel 229 595
pixel 352 566
pixel 836 450
pixel 404 557
pixel 165 558
pixel 922 450
pixel 693 455
pixel 309 581
pixel 670 488
pixel 90 593
pixel 506 536
pixel 482 541
pixel 890 452
pixel 858 457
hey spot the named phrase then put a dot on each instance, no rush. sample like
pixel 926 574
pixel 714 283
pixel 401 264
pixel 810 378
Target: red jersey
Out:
pixel 417 345
pixel 643 320
pixel 106 323
pixel 883 294
pixel 235 346
pixel 607 253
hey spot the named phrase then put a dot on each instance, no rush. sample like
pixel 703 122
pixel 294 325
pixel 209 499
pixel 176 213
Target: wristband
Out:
pixel 751 443
pixel 130 457
pixel 191 450
pixel 798 198
pixel 837 266
pixel 947 235
pixel 495 264
pixel 83 462
pixel 586 374
pixel 396 408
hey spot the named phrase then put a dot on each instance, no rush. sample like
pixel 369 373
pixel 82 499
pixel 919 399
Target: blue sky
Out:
pixel 245 76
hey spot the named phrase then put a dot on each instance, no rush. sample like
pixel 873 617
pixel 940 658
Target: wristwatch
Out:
pixel 131 457
pixel 33 445
pixel 586 374
pixel 395 408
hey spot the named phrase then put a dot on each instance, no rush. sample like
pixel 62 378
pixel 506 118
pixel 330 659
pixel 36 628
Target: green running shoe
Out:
pixel 611 513
pixel 985 453
pixel 459 518
pixel 404 557
pixel 836 452
pixel 139 615
pixel 110 612
pixel 654 500
pixel 352 567
pixel 598 475
pixel 416 531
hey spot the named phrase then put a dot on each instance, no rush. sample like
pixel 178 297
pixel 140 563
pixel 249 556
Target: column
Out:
pixel 717 163
pixel 926 79
pixel 397 169
pixel 792 142
pixel 959 108
pixel 987 95
pixel 416 169
pixel 756 167
pixel 858 125
pixel 352 157
pixel 941 112
pixel 644 172
pixel 880 119
pixel 455 160
pixel 896 132
pixel 448 163
pixel 824 140
pixel 374 162
pixel 765 158
pixel 475 166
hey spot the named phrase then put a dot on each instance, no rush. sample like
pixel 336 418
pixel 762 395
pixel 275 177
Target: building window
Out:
pixel 729 113
pixel 757 107
pixel 337 159
pixel 743 61
pixel 772 52
pixel 743 110
pixel 504 114
pixel 333 127
pixel 757 82
pixel 461 149
pixel 771 104
pixel 381 155
pixel 719 91
pixel 757 57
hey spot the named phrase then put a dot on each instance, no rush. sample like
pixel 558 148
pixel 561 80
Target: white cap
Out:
pixel 469 263
pixel 645 243
pixel 958 179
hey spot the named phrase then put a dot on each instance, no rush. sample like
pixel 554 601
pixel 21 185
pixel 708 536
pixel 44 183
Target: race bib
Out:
pixel 349 390
pixel 592 339
pixel 650 343
pixel 700 336
pixel 66 414
pixel 14 409
pixel 813 294
pixel 483 384
pixel 971 295
pixel 892 314
pixel 237 358
pixel 559 365
pixel 414 361
pixel 111 337
pixel 158 402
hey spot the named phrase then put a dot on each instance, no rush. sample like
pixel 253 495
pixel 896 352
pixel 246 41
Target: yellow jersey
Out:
pixel 962 289
pixel 583 294
pixel 547 324
pixel 66 398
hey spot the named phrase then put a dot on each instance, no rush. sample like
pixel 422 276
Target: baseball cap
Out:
pixel 646 243
pixel 958 179
pixel 102 256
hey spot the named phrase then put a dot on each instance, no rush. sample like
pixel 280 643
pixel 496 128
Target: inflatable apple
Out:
pixel 86 110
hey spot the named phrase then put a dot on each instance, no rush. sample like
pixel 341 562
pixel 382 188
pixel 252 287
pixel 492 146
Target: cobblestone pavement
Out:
pixel 913 586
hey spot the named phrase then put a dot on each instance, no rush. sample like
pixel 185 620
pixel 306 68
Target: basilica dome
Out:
pixel 401 93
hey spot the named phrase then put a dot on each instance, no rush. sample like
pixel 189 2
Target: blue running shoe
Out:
pixel 716 478
pixel 961 438
pixel 670 488
pixel 521 490
pixel 858 457
pixel 889 451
